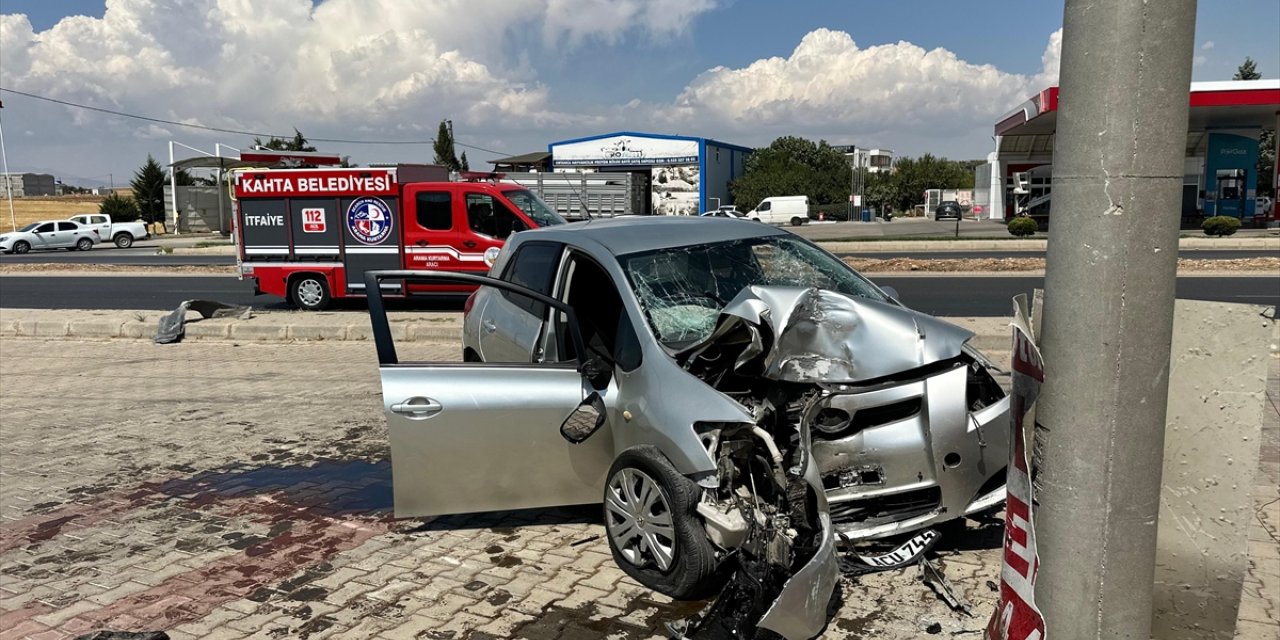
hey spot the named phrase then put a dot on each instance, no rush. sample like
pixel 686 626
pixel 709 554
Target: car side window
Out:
pixel 490 217
pixel 67 226
pixel 764 206
pixel 605 324
pixel 45 228
pixel 98 220
pixel 435 210
pixel 533 266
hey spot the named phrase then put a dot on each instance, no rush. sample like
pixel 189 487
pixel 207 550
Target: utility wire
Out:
pixel 237 131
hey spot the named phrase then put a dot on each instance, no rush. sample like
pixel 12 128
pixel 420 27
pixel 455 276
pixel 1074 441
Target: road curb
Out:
pixel 240 330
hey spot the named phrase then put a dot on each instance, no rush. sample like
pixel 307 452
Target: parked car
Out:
pixel 49 234
pixel 722 212
pixel 123 234
pixel 948 210
pixel 741 376
pixel 792 210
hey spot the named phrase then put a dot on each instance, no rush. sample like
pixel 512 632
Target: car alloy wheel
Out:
pixel 21 247
pixel 309 293
pixel 638 517
pixel 84 244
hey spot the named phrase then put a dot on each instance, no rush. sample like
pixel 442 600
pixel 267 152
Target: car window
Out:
pixel 683 289
pixel 435 210
pixel 45 228
pixel 98 219
pixel 606 327
pixel 67 226
pixel 764 206
pixel 534 267
pixel 533 206
pixel 488 216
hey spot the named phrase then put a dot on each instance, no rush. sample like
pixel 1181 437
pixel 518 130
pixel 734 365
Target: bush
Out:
pixel 1220 225
pixel 120 208
pixel 1023 226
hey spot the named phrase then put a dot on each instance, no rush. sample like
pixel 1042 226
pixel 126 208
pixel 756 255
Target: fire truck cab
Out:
pixel 309 235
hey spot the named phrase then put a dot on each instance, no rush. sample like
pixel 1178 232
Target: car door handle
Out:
pixel 489 326
pixel 418 407
pixel 470 244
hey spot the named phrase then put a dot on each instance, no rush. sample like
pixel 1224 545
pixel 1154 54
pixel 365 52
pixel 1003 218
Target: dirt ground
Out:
pixel 28 210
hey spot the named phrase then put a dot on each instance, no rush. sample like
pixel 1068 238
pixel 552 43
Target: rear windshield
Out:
pixel 533 206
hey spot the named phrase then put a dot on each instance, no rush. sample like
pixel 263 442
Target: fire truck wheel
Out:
pixel 309 292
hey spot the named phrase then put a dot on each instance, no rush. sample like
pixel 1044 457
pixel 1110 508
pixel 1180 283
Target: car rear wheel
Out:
pixel 84 244
pixel 123 240
pixel 795 222
pixel 653 528
pixel 309 293
pixel 21 246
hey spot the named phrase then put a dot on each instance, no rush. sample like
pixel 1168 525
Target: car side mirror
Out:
pixel 585 420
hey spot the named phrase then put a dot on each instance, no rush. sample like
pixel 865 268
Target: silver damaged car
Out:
pixel 735 397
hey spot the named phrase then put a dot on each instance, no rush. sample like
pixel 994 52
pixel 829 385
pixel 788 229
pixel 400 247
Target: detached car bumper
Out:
pixel 912 455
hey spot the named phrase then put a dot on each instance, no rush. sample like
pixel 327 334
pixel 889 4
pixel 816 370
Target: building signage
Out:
pixel 624 150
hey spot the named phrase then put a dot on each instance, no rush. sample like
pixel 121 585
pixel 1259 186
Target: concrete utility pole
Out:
pixel 1108 312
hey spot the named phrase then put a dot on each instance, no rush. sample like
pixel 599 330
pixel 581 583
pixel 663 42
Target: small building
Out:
pixel 683 175
pixel 872 160
pixel 536 162
pixel 28 184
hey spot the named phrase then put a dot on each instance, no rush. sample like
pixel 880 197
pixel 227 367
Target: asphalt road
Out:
pixel 938 295
pixel 139 257
pixel 149 258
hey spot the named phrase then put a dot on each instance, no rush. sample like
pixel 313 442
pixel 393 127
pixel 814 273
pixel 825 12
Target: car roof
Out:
pixel 632 234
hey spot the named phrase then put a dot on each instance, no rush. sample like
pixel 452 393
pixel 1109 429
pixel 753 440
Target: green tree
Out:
pixel 1248 70
pixel 912 176
pixel 148 190
pixel 297 143
pixel 183 178
pixel 445 154
pixel 463 165
pixel 120 208
pixel 793 166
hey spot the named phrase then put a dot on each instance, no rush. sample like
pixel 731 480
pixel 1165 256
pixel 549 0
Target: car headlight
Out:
pixel 3 238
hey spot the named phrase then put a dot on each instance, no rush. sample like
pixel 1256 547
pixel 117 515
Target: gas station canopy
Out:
pixel 1238 104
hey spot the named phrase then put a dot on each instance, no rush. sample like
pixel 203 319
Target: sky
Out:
pixel 514 75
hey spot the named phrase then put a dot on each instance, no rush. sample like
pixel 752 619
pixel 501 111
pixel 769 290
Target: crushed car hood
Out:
pixel 813 335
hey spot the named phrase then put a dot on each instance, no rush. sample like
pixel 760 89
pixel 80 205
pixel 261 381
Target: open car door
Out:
pixel 471 437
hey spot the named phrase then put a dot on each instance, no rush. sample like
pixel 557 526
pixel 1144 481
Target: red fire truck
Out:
pixel 310 234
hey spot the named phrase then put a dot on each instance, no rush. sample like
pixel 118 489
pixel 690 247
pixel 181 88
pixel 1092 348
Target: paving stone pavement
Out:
pixel 236 490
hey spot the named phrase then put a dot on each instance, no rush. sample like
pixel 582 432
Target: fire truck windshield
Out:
pixel 534 207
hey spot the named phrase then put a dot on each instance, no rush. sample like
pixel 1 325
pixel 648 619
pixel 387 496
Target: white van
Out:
pixel 793 210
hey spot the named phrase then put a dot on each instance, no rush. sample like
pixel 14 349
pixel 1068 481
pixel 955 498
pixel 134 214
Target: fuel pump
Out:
pixel 1232 192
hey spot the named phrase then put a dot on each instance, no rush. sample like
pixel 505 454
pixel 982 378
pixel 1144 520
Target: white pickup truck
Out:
pixel 123 234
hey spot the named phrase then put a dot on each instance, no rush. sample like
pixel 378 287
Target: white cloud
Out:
pixel 1198 60
pixel 829 85
pixel 341 66
pixel 1208 44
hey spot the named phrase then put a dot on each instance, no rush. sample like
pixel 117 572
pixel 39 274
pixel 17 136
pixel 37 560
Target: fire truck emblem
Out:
pixel 369 220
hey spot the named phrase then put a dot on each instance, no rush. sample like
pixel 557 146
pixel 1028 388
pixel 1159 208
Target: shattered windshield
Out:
pixel 534 207
pixel 683 289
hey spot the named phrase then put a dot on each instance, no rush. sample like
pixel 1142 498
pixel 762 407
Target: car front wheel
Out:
pixel 653 528
pixel 21 246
